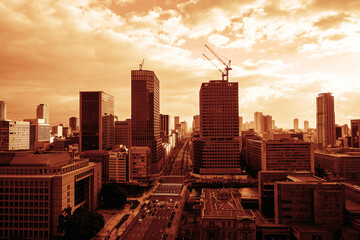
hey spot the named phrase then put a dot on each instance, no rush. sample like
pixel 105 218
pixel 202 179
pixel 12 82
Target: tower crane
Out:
pixel 222 73
pixel 225 74
pixel 141 64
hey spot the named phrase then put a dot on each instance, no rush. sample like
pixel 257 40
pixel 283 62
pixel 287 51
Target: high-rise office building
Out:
pixel 257 120
pixel 42 112
pixel 196 125
pixel 14 135
pixel 165 128
pixel 296 124
pixel 355 133
pixel 96 121
pixel 164 124
pixel 57 131
pixel 123 133
pixel 325 120
pixel 240 124
pixel 177 125
pixel 267 123
pixel 306 126
pixel 217 151
pixel 74 124
pixel 2 110
pixel 145 115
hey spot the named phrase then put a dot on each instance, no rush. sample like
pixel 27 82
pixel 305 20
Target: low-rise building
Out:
pixel 344 165
pixel 101 156
pixel 35 189
pixel 223 217
pixel 279 155
pixel 139 163
pixel 118 166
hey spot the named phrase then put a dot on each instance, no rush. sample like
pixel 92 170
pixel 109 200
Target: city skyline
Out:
pixel 283 55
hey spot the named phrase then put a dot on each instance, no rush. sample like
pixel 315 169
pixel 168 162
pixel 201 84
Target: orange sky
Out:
pixel 283 53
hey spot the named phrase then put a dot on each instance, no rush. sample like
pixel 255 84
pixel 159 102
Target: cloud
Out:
pixel 332 21
pixel 283 53
pixel 218 40
pixel 346 5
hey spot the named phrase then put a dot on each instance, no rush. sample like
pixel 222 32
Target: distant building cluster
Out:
pixel 256 180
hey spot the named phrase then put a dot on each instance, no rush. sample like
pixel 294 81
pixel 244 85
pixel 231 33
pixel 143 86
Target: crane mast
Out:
pixel 141 64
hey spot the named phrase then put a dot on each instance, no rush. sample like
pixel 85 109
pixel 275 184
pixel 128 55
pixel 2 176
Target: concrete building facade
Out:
pixel 139 161
pixel 36 188
pixel 284 155
pixel 217 151
pixel 325 120
pixel 14 135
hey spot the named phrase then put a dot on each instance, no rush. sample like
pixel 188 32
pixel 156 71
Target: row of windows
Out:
pixel 24 225
pixel 23 211
pixel 24 183
pixel 36 197
pixel 25 190
pixel 24 204
pixel 18 234
pixel 24 218
pixel 27 171
pixel 81 175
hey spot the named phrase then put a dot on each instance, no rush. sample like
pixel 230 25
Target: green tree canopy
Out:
pixel 112 195
pixel 81 225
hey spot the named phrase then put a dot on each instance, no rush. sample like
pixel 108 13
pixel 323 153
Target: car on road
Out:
pixel 139 221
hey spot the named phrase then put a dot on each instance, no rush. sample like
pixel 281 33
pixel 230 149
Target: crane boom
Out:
pixel 222 61
pixel 222 73
pixel 225 75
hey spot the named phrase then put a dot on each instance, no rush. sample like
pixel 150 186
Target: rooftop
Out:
pixel 224 203
pixel 53 159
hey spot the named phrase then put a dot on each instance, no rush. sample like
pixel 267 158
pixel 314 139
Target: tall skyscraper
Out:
pixel 96 121
pixel 325 120
pixel 74 124
pixel 306 126
pixel 296 124
pixel 2 110
pixel 355 133
pixel 164 124
pixel 257 120
pixel 123 133
pixel 42 112
pixel 196 125
pixel 240 124
pixel 145 115
pixel 267 123
pixel 217 151
pixel 177 125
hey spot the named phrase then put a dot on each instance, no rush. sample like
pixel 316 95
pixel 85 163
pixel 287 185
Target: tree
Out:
pixel 112 195
pixel 80 225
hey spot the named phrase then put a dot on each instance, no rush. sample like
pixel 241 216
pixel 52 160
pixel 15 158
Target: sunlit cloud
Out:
pixel 283 53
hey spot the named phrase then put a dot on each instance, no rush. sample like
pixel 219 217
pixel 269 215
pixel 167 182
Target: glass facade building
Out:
pixel 96 121
pixel 145 114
